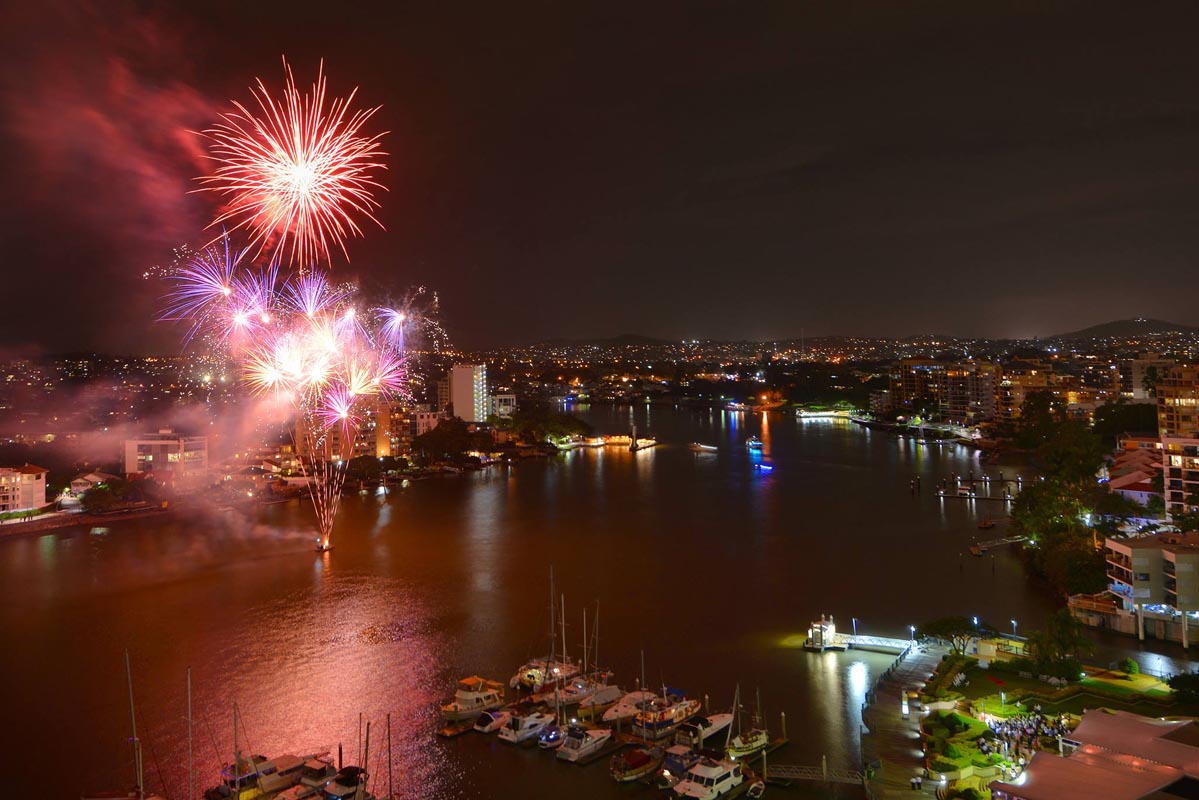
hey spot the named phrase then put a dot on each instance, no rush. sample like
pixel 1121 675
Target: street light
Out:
pixel 855 627
pixel 1013 627
pixel 975 621
pixel 912 628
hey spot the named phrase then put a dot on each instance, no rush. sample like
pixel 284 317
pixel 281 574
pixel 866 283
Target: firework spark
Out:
pixel 297 173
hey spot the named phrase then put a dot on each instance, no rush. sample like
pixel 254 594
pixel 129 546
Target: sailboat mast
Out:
pixel 365 775
pixel 595 650
pixel 191 783
pixel 584 672
pixel 236 754
pixel 728 736
pixel 137 745
pixel 390 793
pixel 553 629
pixel 562 619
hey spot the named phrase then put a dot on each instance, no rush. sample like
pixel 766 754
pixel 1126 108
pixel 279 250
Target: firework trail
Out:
pixel 297 173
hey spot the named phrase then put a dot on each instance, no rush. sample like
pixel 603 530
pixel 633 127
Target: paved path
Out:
pixel 893 741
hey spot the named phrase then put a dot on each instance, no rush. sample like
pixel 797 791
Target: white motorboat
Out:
pixel 522 727
pixel 582 742
pixel 540 673
pixel 576 690
pixel 492 721
pixel 708 779
pixel 474 696
pixel 659 718
pixel 753 443
pixel 703 448
pixel 628 706
pixel 694 733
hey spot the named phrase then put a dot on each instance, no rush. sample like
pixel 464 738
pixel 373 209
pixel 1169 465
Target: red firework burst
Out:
pixel 296 175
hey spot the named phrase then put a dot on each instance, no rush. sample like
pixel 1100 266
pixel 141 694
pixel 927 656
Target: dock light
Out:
pixel 975 621
pixel 912 628
pixel 1013 627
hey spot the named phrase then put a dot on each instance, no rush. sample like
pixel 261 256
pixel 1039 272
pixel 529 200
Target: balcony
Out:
pixel 1117 577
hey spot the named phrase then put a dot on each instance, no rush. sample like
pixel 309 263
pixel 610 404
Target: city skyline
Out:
pixel 687 173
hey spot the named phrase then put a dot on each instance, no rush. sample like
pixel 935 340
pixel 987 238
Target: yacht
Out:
pixel 753 443
pixel 708 779
pixel 628 706
pixel 492 721
pixel 474 696
pixel 635 764
pixel 693 733
pixel 703 448
pixel 659 718
pixel 256 775
pixel 522 727
pixel 577 690
pixel 582 742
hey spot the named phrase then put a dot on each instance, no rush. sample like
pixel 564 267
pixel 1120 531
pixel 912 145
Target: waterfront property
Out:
pixel 1153 588
pixel 1113 756
pixel 22 488
pixel 167 455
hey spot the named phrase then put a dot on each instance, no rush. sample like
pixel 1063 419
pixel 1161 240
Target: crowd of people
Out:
pixel 1017 737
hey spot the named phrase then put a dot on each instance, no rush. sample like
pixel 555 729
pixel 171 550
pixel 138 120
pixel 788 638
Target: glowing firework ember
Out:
pixel 298 174
pixel 305 343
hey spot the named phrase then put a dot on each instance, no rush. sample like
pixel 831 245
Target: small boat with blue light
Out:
pixel 753 443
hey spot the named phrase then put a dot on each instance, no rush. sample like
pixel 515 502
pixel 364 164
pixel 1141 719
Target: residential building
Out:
pixel 22 488
pixel 1139 376
pixel 91 480
pixel 1153 587
pixel 1180 478
pixel 503 404
pixel 338 442
pixel 425 419
pixel 395 427
pixel 167 455
pixel 969 395
pixel 1019 380
pixel 1178 402
pixel 468 392
pixel 917 383
pixel 880 402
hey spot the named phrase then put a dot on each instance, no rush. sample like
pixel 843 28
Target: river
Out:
pixel 712 567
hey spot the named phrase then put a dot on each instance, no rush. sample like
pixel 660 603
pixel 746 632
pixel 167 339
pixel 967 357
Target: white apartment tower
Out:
pixel 468 392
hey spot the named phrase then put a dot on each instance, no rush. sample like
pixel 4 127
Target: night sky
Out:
pixel 681 170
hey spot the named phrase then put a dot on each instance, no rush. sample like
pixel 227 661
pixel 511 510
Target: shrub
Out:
pixel 981 761
pixel 953 751
pixel 1130 666
pixel 941 765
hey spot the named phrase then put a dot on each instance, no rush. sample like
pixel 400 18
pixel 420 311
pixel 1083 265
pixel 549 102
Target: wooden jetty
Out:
pixel 979 548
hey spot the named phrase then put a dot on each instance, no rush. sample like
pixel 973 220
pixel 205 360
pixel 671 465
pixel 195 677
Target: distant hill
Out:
pixel 1127 327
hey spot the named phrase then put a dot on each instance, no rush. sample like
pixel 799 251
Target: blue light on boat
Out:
pixel 764 467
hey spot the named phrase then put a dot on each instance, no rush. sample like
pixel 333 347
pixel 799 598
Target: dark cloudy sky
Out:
pixel 569 169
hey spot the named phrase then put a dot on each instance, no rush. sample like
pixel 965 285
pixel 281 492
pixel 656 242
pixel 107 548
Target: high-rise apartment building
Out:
pixel 468 392
pixel 168 455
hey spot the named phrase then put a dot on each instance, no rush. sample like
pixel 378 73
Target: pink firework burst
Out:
pixel 298 173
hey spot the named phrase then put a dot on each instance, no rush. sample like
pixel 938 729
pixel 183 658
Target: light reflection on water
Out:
pixel 705 563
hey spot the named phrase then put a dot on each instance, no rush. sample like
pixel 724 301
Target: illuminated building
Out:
pixel 468 392
pixel 1178 425
pixel 22 488
pixel 167 455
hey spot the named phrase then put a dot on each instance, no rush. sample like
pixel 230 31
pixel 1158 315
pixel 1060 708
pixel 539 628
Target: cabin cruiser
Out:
pixel 659 718
pixel 492 721
pixel 635 764
pixel 628 706
pixel 693 733
pixel 582 742
pixel 709 778
pixel 474 696
pixel 576 690
pixel 753 443
pixel 522 727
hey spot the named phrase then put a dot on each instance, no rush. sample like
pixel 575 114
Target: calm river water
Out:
pixel 712 567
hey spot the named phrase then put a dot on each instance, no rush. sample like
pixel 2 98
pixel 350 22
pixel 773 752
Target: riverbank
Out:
pixel 69 519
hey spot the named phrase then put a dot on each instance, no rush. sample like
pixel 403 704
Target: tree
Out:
pixel 1113 419
pixel 958 631
pixel 1186 687
pixel 1129 666
pixel 1040 414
